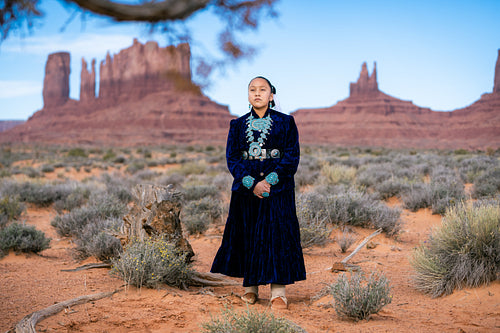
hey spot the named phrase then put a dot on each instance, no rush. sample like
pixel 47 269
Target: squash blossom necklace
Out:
pixel 263 125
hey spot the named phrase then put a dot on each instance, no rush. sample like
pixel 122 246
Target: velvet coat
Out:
pixel 261 241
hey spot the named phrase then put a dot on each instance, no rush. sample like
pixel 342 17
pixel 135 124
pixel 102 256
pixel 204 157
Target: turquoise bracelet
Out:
pixel 272 178
pixel 248 181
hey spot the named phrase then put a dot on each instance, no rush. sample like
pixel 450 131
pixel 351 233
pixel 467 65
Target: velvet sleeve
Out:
pixel 233 156
pixel 289 162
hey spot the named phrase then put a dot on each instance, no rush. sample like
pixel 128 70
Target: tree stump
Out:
pixel 155 212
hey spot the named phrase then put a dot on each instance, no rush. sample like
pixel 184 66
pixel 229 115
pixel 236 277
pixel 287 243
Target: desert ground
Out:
pixel 31 282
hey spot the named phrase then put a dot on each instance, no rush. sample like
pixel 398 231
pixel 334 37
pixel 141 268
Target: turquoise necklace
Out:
pixel 263 125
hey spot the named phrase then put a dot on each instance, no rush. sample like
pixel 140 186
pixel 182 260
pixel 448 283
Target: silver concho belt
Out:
pixel 263 154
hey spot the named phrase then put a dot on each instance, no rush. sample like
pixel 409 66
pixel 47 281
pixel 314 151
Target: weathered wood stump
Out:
pixel 155 213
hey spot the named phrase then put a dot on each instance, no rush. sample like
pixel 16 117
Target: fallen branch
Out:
pixel 378 231
pixel 212 280
pixel 29 322
pixel 88 266
pixel 198 278
pixel 343 265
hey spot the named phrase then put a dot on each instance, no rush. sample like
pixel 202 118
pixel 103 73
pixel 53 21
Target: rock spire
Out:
pixel 56 80
pixel 367 84
pixel 87 83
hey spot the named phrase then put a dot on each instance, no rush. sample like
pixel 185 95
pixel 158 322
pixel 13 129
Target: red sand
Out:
pixel 33 282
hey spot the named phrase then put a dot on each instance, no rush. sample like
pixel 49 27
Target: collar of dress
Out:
pixel 255 115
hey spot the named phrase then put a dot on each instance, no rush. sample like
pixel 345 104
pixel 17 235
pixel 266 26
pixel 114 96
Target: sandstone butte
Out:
pixel 146 97
pixel 369 117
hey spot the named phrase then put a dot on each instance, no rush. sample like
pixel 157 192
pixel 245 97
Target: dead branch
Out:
pixel 88 266
pixel 29 322
pixel 212 280
pixel 167 10
pixel 343 265
pixel 378 231
pixel 198 278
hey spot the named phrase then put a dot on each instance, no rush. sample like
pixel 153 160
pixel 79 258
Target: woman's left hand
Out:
pixel 261 187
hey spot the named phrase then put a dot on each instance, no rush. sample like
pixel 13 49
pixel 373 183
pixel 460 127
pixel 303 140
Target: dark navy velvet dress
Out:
pixel 261 241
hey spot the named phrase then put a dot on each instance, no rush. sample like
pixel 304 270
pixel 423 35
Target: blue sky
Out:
pixel 439 54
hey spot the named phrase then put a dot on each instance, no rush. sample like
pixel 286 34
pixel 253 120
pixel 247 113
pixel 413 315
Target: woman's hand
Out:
pixel 261 187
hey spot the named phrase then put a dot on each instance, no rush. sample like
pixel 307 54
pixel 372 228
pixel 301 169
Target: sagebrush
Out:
pixel 358 297
pixel 463 251
pixel 22 238
pixel 152 262
pixel 249 321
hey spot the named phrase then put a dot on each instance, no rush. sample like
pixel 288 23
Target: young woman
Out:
pixel 261 241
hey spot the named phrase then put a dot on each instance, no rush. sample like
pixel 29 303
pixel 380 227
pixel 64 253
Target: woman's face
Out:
pixel 259 94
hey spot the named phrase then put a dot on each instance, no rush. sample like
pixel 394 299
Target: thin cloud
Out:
pixel 88 45
pixel 10 89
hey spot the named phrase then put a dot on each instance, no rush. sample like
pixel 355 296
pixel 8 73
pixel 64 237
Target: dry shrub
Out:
pixel 250 321
pixel 345 240
pixel 337 174
pixel 357 297
pixel 22 238
pixel 464 251
pixel 152 262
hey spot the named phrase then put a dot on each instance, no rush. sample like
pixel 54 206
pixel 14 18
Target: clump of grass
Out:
pixel 196 215
pixel 198 192
pixel 96 240
pixel 464 251
pixel 372 174
pixel 337 174
pixel 135 166
pixel 418 196
pixel 357 297
pixel 100 206
pixel 77 152
pixel 192 168
pixel 487 184
pixel 76 198
pixel 118 187
pixel 313 220
pixel 22 238
pixel 40 194
pixel 313 231
pixel 47 168
pixel 473 167
pixel 30 172
pixel 360 209
pixel 109 155
pixel 345 240
pixel 447 189
pixel 249 321
pixel 10 209
pixel 348 207
pixel 152 262
pixel 444 190
pixel 391 187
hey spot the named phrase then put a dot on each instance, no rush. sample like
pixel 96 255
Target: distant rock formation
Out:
pixel 496 84
pixel 56 81
pixel 8 124
pixel 142 69
pixel 145 96
pixel 369 117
